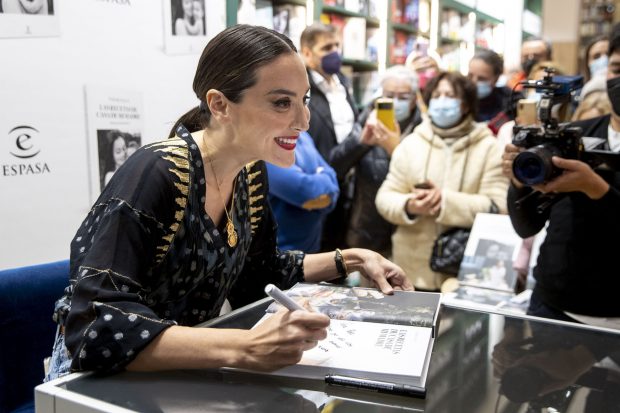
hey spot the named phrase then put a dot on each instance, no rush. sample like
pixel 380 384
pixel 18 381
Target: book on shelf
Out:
pixel 371 336
pixel 354 38
pixel 290 20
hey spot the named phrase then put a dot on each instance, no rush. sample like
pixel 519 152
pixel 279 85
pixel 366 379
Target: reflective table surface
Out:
pixel 481 362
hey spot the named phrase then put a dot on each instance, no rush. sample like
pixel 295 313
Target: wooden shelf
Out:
pixel 404 28
pixel 360 65
pixel 293 2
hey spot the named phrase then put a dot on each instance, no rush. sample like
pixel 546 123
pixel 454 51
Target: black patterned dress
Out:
pixel 147 256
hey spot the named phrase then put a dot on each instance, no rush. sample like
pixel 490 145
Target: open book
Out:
pixel 371 335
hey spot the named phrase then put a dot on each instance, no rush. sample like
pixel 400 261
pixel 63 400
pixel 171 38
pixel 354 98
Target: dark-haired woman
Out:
pixel 440 177
pixel 495 103
pixel 185 224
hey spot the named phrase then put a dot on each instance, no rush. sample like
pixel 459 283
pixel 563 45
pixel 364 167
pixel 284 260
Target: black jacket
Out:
pixel 322 132
pixel 367 229
pixel 577 268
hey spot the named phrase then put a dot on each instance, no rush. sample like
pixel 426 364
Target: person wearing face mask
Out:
pixel 370 156
pixel 577 265
pixel 533 50
pixel 425 66
pixel 495 104
pixel 333 115
pixel 440 177
pixel 596 58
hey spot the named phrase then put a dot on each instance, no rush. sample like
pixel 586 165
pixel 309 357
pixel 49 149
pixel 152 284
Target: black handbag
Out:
pixel 449 246
pixel 448 250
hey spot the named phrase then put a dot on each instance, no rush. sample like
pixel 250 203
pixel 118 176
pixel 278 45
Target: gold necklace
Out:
pixel 230 228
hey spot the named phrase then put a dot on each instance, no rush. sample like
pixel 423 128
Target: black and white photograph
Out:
pixel 490 266
pixel 40 7
pixel 188 17
pixel 115 120
pixel 28 18
pixel 114 147
pixel 190 24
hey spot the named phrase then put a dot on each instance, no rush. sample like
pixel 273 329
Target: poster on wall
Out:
pixel 115 127
pixel 29 18
pixel 190 24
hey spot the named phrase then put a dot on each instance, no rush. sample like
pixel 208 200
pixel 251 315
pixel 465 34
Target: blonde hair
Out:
pixel 598 101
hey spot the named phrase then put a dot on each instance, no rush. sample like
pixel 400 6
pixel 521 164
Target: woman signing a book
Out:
pixel 185 224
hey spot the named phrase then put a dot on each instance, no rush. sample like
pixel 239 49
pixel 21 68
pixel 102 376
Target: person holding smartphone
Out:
pixel 440 177
pixel 385 122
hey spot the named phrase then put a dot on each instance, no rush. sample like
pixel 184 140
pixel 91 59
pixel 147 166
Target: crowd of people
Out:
pixel 275 176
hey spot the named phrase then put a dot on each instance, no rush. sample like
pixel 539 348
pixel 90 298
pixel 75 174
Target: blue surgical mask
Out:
pixel 483 89
pixel 598 66
pixel 331 63
pixel 445 112
pixel 401 109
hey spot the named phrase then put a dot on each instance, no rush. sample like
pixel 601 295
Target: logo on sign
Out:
pixel 24 139
pixel 24 145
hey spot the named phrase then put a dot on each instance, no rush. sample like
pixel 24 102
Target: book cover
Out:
pixel 491 249
pixel 115 120
pixel 368 304
pixel 354 38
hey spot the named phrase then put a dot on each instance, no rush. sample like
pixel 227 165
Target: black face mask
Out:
pixel 613 91
pixel 528 65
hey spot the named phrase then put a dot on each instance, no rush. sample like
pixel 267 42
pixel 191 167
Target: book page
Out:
pixel 367 350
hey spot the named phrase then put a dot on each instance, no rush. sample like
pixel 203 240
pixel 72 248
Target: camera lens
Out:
pixel 534 166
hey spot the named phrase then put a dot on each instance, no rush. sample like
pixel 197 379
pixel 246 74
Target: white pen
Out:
pixel 282 299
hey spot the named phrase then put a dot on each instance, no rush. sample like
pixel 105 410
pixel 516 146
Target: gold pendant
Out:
pixel 232 234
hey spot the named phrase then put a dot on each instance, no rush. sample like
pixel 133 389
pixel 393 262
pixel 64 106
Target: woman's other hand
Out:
pixel 385 275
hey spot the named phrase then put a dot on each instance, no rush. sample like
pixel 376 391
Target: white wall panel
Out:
pixel 104 42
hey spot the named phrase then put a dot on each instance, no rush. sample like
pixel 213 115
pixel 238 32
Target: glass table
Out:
pixel 481 362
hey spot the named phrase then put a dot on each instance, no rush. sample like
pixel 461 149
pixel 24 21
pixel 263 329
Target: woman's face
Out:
pixel 597 50
pixel 274 111
pixel 479 71
pixel 444 89
pixel 119 151
pixel 188 7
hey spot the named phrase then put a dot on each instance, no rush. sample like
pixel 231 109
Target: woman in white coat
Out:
pixel 440 177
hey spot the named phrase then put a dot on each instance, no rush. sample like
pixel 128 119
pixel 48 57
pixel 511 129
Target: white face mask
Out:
pixel 598 66
pixel 401 109
pixel 445 112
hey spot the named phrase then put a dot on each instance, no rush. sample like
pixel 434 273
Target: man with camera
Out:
pixel 577 269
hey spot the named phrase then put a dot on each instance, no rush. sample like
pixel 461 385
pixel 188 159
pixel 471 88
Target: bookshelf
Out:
pixel 465 27
pixel 596 18
pixel 359 26
pixel 408 29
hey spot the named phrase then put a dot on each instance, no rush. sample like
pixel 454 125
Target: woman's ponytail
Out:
pixel 195 119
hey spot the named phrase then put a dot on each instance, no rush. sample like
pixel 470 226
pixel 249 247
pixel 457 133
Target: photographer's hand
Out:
pixel 576 177
pixel 510 153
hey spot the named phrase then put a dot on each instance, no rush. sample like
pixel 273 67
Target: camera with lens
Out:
pixel 533 166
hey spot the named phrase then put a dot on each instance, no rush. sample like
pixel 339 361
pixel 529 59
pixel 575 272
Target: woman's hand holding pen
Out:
pixel 281 339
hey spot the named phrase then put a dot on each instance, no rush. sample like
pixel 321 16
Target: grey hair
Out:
pixel 400 72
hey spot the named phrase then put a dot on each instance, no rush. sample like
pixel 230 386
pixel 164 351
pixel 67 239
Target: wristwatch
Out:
pixel 341 265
